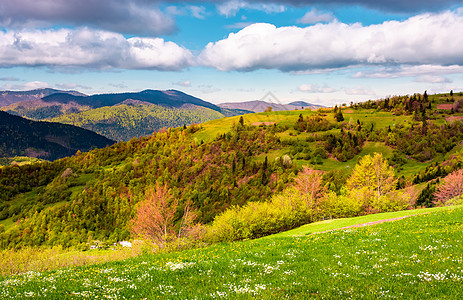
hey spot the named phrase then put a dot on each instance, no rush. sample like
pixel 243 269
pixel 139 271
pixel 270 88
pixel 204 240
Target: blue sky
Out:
pixel 324 52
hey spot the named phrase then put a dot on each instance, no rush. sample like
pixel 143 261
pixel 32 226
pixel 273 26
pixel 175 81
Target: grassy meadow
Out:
pixel 419 257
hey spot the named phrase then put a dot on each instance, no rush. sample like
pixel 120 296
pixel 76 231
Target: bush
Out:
pixel 342 206
pixel 256 219
pixel 395 201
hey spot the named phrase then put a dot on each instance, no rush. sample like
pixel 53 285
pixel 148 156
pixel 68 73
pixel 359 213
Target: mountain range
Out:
pixel 120 116
pixel 123 116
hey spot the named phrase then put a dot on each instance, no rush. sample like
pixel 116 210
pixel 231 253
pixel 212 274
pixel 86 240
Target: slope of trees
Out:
pixel 21 137
pixel 210 176
pixel 124 122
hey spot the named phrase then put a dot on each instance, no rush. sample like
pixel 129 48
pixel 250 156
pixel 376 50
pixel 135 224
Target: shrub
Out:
pixel 256 219
pixel 342 206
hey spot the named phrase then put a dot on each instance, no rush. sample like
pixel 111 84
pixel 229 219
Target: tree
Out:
pixel 241 121
pixel 451 187
pixel 309 183
pixel 373 175
pixel 155 218
pixel 339 116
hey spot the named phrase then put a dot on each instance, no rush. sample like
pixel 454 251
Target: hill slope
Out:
pixel 21 137
pixel 415 258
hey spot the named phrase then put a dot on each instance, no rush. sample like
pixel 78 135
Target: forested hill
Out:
pixel 46 140
pixel 234 161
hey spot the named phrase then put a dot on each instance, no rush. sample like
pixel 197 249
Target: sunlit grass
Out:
pixel 419 257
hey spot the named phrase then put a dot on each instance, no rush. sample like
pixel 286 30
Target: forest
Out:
pixel 237 178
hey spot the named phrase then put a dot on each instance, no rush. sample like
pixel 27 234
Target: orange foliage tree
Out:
pixel 155 219
pixel 451 187
pixel 309 183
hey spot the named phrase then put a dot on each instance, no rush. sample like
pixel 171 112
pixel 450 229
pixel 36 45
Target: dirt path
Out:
pixel 368 223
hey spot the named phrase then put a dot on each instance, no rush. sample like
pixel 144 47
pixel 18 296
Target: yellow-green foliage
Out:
pixel 41 259
pixel 395 201
pixel 342 206
pixel 257 219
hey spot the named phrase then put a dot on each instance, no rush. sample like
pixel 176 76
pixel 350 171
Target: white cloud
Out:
pixel 359 91
pixel 314 88
pixel 32 85
pixel 409 71
pixel 230 8
pixel 198 12
pixel 239 25
pixel 315 16
pixel 427 39
pixel 71 86
pixel 185 83
pixel 90 49
pixel 433 79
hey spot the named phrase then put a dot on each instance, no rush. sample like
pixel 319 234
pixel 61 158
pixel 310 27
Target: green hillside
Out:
pixel 225 164
pixel 123 122
pixel 418 257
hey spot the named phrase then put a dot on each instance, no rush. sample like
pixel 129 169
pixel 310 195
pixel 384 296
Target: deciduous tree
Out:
pixel 155 218
pixel 451 187
pixel 374 174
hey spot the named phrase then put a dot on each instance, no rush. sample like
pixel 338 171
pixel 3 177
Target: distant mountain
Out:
pixel 46 140
pixel 304 105
pixel 260 106
pixel 11 97
pixel 170 98
pixel 122 116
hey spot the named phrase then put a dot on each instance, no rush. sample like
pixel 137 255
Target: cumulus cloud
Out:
pixel 315 16
pixel 426 39
pixel 314 88
pixel 89 48
pixel 138 17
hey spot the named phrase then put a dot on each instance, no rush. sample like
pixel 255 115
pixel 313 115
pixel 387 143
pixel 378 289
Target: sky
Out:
pixel 319 51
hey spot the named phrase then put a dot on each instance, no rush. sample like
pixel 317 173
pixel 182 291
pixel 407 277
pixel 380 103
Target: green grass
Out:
pixel 419 257
pixel 340 223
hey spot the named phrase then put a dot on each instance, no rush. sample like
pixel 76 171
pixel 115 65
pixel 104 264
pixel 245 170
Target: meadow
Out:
pixel 418 257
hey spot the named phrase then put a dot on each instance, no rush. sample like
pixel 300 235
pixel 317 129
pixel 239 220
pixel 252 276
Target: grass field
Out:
pixel 419 257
